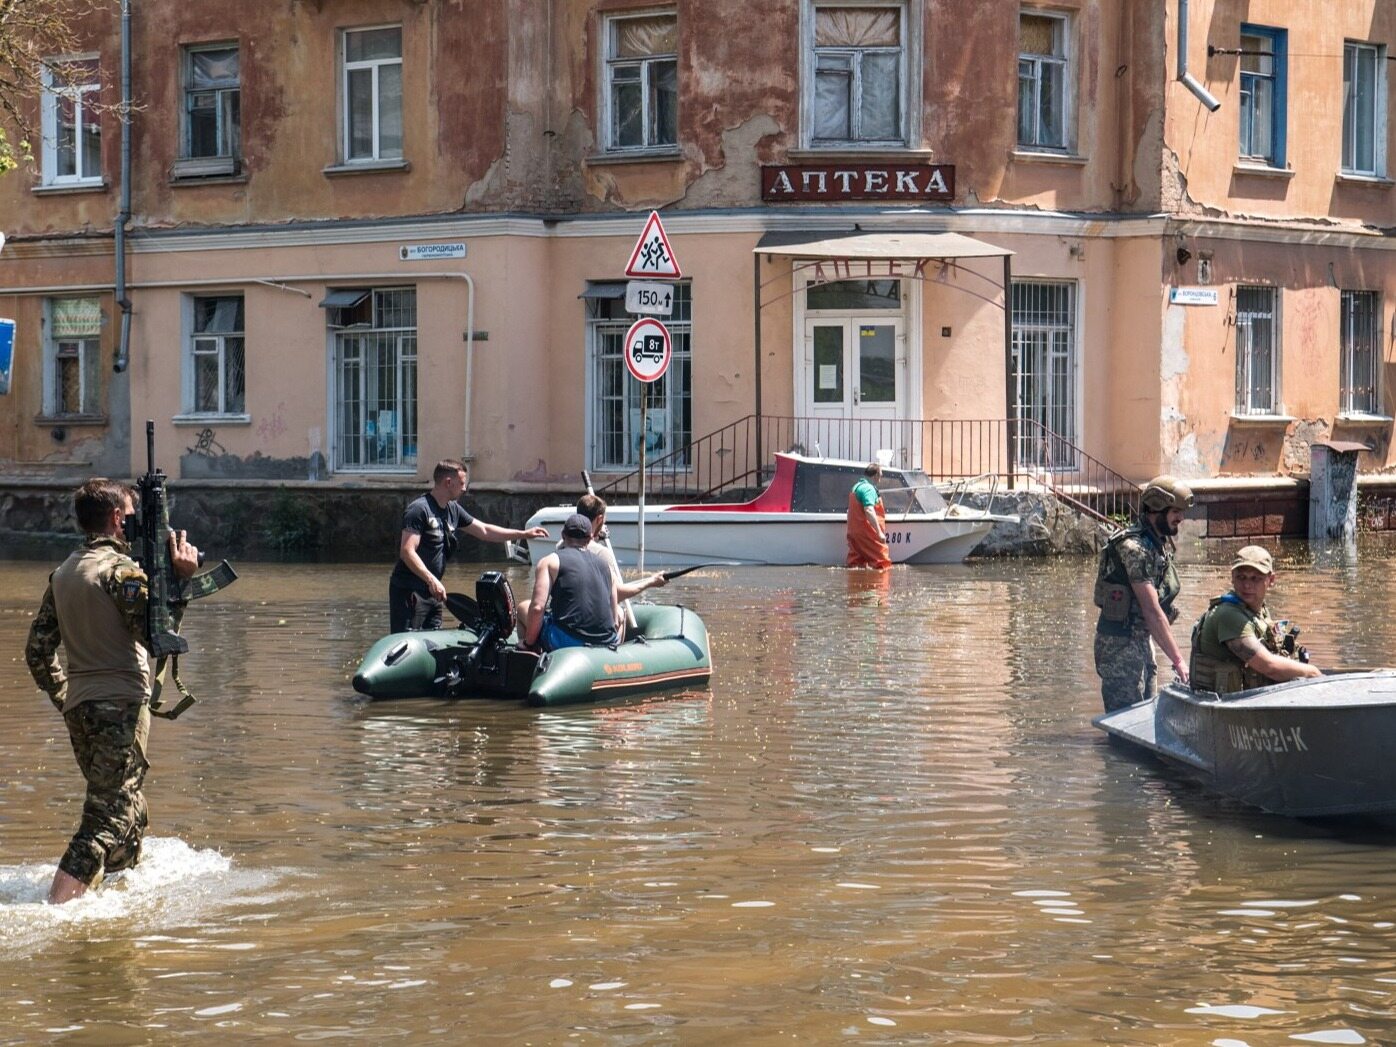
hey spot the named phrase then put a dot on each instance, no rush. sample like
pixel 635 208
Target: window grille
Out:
pixel 1044 374
pixel 376 386
pixel 1257 372
pixel 1361 315
pixel 615 395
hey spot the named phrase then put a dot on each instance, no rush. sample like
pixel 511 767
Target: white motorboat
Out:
pixel 800 518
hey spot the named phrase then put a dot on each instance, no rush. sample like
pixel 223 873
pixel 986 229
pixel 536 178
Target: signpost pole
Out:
pixel 644 434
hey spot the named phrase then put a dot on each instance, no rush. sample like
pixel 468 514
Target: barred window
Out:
pixel 1361 313
pixel 616 431
pixel 376 380
pixel 1257 351
pixel 1044 373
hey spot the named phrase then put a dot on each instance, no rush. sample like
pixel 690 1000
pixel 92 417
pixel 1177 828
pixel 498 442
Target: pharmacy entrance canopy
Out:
pixel 846 253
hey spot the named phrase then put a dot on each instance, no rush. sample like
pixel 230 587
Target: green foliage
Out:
pixel 289 525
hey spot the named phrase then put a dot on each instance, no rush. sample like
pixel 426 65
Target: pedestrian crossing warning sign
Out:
pixel 653 257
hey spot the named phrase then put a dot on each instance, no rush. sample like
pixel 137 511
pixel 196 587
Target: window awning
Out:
pixel 343 299
pixel 826 244
pixel 603 289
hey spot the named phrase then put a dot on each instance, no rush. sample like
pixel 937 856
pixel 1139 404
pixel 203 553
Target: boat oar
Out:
pixel 678 572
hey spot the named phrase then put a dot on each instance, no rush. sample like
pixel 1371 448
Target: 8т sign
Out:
pixel 648 349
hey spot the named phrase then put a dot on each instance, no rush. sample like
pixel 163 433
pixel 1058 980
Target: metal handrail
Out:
pixel 1022 452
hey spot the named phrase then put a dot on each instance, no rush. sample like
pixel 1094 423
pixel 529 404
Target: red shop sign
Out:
pixel 793 183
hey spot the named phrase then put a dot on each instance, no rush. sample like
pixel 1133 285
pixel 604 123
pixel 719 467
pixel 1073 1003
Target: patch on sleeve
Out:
pixel 131 589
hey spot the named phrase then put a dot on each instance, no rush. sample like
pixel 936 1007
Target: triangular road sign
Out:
pixel 653 257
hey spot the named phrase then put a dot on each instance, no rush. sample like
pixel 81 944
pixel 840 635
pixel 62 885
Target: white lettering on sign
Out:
pixel 648 349
pixel 653 299
pixel 1266 739
pixel 430 252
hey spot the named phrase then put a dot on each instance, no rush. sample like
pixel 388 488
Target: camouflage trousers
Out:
pixel 1126 668
pixel 109 740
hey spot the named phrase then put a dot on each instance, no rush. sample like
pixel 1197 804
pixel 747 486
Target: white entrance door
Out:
pixel 855 377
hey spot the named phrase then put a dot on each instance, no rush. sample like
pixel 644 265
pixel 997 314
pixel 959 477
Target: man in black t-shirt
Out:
pixel 429 537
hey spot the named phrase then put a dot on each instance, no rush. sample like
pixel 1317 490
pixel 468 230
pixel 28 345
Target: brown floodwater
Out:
pixel 888 820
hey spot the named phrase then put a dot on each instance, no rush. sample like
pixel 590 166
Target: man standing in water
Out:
pixel 1136 584
pixel 867 522
pixel 95 607
pixel 416 596
pixel 1235 644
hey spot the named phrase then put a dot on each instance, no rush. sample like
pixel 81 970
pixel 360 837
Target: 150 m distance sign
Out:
pixel 648 349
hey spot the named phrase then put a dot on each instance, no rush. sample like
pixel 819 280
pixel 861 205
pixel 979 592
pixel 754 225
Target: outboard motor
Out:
pixel 495 600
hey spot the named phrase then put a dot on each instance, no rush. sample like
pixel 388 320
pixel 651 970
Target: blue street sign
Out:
pixel 7 353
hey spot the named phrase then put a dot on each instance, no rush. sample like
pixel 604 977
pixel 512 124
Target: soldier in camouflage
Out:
pixel 1136 584
pixel 95 608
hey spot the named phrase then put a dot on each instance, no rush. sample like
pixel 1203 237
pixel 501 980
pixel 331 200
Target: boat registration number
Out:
pixel 898 537
pixel 1266 739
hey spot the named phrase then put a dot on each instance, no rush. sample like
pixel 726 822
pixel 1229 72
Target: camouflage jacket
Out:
pixel 123 580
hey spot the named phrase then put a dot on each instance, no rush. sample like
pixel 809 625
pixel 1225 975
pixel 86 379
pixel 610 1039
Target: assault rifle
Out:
pixel 148 534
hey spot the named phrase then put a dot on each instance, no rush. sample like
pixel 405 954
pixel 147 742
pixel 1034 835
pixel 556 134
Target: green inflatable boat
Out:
pixel 482 658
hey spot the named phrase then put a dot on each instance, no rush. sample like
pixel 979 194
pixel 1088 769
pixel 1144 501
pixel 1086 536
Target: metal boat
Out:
pixel 800 518
pixel 1305 748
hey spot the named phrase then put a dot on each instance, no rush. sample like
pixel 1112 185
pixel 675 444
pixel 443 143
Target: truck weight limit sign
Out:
pixel 648 349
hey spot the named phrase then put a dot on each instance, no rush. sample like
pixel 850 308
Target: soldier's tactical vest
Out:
pixel 104 661
pixel 1120 613
pixel 1228 674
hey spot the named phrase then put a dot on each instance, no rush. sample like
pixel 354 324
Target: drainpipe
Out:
pixel 1187 79
pixel 123 214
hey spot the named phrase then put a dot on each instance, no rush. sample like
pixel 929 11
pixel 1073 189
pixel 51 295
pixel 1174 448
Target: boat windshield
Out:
pixel 822 487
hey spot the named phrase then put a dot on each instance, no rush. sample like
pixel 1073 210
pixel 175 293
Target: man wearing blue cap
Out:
pixel 574 601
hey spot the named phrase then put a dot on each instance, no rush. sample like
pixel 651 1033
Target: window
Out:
pixel 1257 356
pixel 73 357
pixel 1263 87
pixel 616 431
pixel 859 60
pixel 1358 338
pixel 642 82
pixel 212 106
pixel 1042 80
pixel 70 124
pixel 1364 116
pixel 1044 373
pixel 375 378
pixel 215 381
pixel 372 91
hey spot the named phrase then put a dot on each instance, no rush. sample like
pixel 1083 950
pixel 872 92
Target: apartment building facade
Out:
pixel 367 234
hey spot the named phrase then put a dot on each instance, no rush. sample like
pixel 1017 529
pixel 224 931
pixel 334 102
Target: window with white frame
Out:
pixel 1043 72
pixel 616 427
pixel 70 123
pixel 215 377
pixel 856 93
pixel 375 348
pixel 1361 322
pixel 73 356
pixel 1263 94
pixel 1364 109
pixel 372 94
pixel 1044 373
pixel 212 103
pixel 642 81
pixel 1257 351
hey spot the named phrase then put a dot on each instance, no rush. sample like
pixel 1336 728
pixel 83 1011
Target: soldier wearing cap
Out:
pixel 1235 644
pixel 1136 584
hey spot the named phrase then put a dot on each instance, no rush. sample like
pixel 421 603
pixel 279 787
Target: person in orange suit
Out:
pixel 867 522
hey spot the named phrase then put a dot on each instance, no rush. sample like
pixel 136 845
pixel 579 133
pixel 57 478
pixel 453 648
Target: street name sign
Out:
pixel 653 258
pixel 653 299
pixel 648 349
pixel 430 252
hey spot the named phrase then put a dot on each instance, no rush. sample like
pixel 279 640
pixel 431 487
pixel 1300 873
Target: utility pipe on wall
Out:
pixel 123 212
pixel 1187 79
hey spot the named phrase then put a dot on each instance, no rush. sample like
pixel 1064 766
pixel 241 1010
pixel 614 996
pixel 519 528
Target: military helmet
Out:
pixel 1164 493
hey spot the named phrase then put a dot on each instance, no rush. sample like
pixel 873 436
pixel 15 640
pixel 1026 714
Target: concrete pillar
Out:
pixel 1333 490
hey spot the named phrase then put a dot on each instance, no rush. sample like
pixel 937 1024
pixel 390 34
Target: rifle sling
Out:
pixel 157 706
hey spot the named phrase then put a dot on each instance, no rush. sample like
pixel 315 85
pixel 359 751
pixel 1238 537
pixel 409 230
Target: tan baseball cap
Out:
pixel 1255 556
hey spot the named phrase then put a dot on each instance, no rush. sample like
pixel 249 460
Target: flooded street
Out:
pixel 887 821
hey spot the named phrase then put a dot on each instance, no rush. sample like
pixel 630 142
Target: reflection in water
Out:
pixel 887 818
